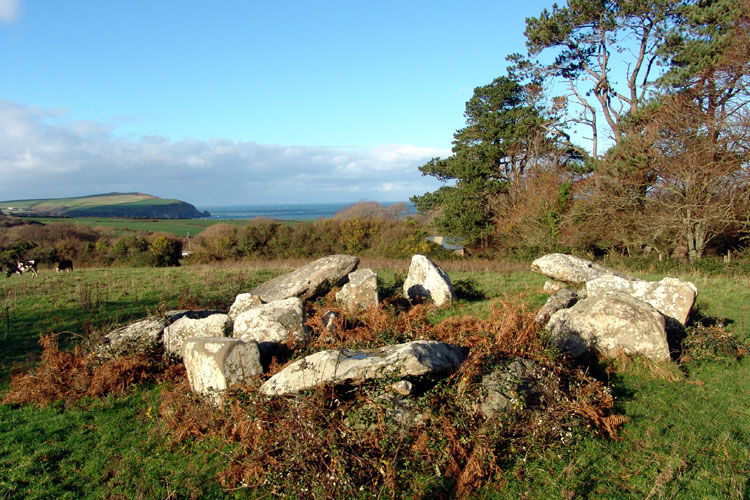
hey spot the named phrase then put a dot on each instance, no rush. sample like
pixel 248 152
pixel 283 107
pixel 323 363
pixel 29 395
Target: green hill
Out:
pixel 131 205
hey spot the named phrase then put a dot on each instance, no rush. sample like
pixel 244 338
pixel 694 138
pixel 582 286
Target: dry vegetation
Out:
pixel 345 440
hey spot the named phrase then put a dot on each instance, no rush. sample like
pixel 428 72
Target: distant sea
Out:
pixel 290 211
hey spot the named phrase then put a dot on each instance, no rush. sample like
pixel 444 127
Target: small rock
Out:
pixel 508 387
pixel 403 387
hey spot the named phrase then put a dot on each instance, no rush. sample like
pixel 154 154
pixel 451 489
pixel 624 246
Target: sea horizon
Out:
pixel 285 211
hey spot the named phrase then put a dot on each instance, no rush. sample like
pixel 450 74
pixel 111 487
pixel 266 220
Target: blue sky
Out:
pixel 241 102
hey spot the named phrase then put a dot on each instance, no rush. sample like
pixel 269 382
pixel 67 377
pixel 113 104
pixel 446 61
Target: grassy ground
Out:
pixel 124 227
pixel 688 434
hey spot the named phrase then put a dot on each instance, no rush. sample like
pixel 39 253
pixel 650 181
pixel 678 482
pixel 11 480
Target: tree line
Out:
pixel 624 129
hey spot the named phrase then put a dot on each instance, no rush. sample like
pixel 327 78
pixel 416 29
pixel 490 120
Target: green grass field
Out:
pixel 125 227
pixel 688 435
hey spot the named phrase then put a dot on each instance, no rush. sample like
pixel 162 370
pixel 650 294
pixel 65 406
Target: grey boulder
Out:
pixel 312 280
pixel 672 297
pixel 421 357
pixel 561 300
pixel 571 269
pixel 274 322
pixel 243 302
pixel 610 323
pixel 215 364
pixel 143 336
pixel 360 292
pixel 427 281
pixel 213 325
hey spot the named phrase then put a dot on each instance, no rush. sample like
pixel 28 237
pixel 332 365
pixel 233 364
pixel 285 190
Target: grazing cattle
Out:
pixel 28 266
pixel 64 265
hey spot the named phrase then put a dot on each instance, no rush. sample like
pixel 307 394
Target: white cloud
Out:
pixel 42 155
pixel 10 10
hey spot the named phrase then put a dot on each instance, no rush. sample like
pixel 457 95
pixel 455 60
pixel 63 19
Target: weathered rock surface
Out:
pixel 214 325
pixel 361 292
pixel 274 322
pixel 243 302
pixel 421 357
pixel 215 364
pixel 140 337
pixel 571 269
pixel 552 286
pixel 508 387
pixel 672 297
pixel 608 323
pixel 427 281
pixel 312 280
pixel 561 300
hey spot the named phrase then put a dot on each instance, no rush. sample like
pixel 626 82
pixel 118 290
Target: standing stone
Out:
pixel 608 323
pixel 274 322
pixel 421 357
pixel 215 364
pixel 215 325
pixel 427 281
pixel 243 302
pixel 312 280
pixel 571 269
pixel 361 292
pixel 672 297
pixel 140 337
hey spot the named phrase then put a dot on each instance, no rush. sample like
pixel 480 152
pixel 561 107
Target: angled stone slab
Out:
pixel 312 280
pixel 571 269
pixel 421 357
pixel 672 297
pixel 139 337
pixel 214 364
pixel 427 281
pixel 610 323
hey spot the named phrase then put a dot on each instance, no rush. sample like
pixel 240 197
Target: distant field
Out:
pixel 121 227
pixel 84 201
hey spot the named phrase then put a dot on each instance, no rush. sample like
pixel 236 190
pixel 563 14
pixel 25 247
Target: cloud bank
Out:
pixel 10 10
pixel 43 155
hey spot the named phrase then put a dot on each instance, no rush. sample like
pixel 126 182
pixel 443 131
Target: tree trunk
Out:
pixel 696 241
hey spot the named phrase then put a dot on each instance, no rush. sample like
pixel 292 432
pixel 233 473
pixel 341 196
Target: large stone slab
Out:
pixel 610 323
pixel 312 280
pixel 571 269
pixel 141 337
pixel 214 325
pixel 361 292
pixel 215 364
pixel 427 281
pixel 672 297
pixel 274 322
pixel 421 357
